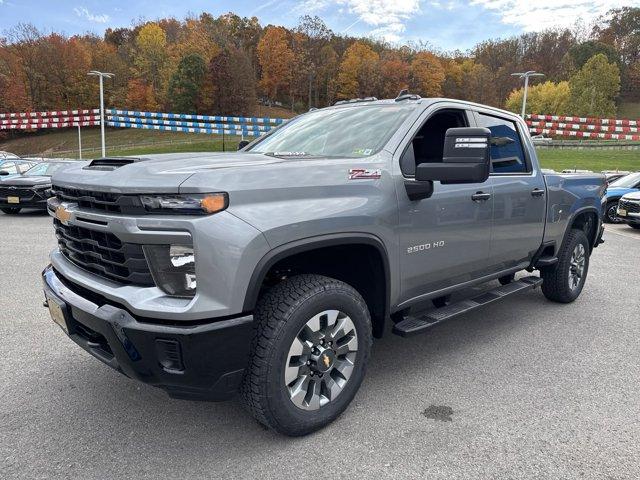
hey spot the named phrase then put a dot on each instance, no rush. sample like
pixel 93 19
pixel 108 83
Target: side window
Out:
pixel 507 154
pixel 9 167
pixel 427 145
pixel 23 167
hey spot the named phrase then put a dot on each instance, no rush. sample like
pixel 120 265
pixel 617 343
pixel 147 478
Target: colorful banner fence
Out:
pixel 55 119
pixel 584 127
pixel 178 122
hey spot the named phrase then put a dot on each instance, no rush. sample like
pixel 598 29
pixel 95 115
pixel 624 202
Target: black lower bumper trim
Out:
pixel 199 362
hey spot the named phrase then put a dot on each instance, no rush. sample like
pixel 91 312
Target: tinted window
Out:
pixel 45 169
pixel 507 154
pixel 9 167
pixel 628 181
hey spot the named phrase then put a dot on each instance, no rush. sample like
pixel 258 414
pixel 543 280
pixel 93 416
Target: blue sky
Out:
pixel 445 24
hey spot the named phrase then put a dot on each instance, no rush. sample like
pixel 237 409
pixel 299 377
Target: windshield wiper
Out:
pixel 288 154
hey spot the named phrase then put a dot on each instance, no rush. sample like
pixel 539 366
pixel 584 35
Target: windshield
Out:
pixel 628 181
pixel 44 169
pixel 358 131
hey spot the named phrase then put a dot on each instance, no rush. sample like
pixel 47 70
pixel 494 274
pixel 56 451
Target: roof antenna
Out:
pixel 405 95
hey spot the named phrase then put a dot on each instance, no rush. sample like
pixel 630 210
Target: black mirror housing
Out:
pixel 466 158
pixel 242 144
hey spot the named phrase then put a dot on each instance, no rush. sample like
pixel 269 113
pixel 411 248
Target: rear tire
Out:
pixel 635 225
pixel 563 282
pixel 300 392
pixel 11 210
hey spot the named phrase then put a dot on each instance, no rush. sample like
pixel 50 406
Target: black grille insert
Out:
pixel 104 254
pixel 21 192
pixel 101 201
pixel 631 207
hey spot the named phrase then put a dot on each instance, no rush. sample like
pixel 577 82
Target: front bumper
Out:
pixel 201 362
pixel 35 201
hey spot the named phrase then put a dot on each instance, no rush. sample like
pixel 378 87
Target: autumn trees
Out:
pixel 228 64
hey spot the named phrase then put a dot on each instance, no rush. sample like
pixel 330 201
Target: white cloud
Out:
pixel 387 17
pixel 82 12
pixel 537 15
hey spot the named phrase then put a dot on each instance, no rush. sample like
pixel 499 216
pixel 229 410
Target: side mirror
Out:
pixel 4 172
pixel 466 158
pixel 242 144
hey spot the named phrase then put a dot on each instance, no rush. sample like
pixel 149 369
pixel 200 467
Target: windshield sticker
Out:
pixel 364 174
pixel 363 151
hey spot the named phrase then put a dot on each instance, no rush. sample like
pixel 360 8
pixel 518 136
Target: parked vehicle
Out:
pixel 7 155
pixel 268 271
pixel 541 140
pixel 30 189
pixel 13 167
pixel 615 191
pixel 629 209
pixel 613 175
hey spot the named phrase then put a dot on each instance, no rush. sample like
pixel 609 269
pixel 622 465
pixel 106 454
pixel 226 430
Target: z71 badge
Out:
pixel 364 174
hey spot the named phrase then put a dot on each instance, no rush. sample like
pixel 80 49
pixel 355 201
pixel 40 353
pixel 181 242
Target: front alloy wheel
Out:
pixel 321 359
pixel 309 353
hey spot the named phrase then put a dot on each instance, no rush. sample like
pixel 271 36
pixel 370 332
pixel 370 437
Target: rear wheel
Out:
pixel 10 210
pixel 564 281
pixel 309 354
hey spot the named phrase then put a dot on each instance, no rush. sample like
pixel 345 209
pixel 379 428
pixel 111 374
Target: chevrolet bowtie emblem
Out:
pixel 326 360
pixel 63 214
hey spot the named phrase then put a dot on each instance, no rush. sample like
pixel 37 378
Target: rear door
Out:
pixel 519 203
pixel 444 239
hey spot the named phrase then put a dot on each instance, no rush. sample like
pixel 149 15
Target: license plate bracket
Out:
pixel 57 312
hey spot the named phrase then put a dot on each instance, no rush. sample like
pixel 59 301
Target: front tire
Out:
pixel 11 210
pixel 309 354
pixel 564 281
pixel 610 215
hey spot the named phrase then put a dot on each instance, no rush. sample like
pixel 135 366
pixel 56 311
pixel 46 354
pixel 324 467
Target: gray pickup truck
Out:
pixel 269 271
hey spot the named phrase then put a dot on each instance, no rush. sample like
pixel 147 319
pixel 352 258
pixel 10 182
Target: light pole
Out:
pixel 101 75
pixel 526 76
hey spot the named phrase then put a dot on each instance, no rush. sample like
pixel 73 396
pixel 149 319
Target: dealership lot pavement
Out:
pixel 520 389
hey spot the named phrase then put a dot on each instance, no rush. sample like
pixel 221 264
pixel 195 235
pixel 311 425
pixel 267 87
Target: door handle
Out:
pixel 480 197
pixel 536 192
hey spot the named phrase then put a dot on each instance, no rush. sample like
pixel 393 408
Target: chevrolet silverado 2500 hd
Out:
pixel 268 271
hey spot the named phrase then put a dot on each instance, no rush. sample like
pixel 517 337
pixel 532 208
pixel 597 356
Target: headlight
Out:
pixel 186 204
pixel 173 268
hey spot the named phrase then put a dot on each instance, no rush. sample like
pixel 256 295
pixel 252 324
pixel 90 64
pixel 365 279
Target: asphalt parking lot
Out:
pixel 520 389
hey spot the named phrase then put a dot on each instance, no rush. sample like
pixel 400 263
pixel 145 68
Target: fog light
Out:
pixel 173 268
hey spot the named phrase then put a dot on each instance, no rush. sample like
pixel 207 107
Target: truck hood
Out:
pixel 163 173
pixel 26 181
pixel 632 196
pixel 619 191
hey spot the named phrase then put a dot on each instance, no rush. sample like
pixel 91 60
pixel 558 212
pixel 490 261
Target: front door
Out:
pixel 444 239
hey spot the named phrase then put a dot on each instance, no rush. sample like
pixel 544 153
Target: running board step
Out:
pixel 414 325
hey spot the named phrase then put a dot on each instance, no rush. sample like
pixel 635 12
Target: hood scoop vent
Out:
pixel 108 164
